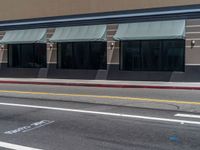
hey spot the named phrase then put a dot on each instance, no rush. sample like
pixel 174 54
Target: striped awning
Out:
pixel 79 34
pixel 24 36
pixel 174 29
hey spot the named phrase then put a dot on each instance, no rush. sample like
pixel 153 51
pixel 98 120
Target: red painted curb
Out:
pixel 102 85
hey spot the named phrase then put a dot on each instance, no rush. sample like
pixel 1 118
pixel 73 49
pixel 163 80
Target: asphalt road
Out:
pixel 182 100
pixel 77 118
pixel 191 95
pixel 80 126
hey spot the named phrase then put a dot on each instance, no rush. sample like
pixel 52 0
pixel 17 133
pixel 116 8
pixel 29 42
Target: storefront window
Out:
pixel 173 55
pixel 82 55
pixel 131 55
pixel 27 55
pixel 153 55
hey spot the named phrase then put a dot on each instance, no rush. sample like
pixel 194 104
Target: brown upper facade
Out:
pixel 25 9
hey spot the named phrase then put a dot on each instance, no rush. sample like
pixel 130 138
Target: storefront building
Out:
pixel 102 40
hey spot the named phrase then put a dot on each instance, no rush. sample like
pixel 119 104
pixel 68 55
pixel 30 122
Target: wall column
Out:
pixel 112 48
pixel 51 51
pixel 3 53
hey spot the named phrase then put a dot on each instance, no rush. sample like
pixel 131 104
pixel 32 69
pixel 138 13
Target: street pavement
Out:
pixel 182 100
pixel 38 117
pixel 85 127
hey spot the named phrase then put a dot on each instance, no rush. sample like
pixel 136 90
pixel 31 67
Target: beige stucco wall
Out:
pixel 21 9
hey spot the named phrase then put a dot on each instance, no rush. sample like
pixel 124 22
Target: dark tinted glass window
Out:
pixel 82 55
pixel 153 55
pixel 40 55
pixel 173 55
pixel 150 55
pixel 98 55
pixel 27 55
pixel 65 54
pixel 131 55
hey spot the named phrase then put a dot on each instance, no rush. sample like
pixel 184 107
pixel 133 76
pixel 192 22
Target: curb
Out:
pixel 102 85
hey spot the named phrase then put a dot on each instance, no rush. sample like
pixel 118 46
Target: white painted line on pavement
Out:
pixel 45 124
pixel 15 147
pixel 30 127
pixel 104 113
pixel 187 116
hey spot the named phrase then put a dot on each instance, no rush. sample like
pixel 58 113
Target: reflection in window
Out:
pixel 153 55
pixel 131 55
pixel 27 55
pixel 150 53
pixel 82 55
pixel 174 52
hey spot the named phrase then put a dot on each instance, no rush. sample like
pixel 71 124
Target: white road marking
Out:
pixel 104 113
pixel 16 147
pixel 30 127
pixel 42 125
pixel 187 116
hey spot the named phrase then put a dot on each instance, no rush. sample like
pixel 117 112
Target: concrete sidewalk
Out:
pixel 104 83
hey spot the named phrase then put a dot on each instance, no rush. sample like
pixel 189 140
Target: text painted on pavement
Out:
pixel 30 127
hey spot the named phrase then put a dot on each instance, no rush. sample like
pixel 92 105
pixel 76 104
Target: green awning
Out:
pixel 151 30
pixel 24 36
pixel 79 34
